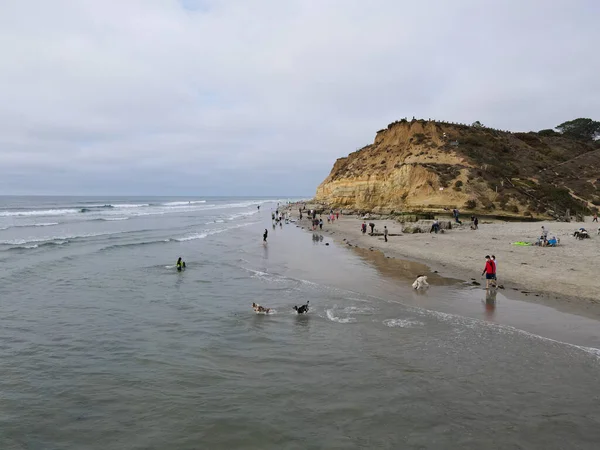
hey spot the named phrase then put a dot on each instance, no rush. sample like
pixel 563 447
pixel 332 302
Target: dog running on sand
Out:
pixel 420 282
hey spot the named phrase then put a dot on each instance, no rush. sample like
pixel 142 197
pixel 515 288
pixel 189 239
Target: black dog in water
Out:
pixel 302 310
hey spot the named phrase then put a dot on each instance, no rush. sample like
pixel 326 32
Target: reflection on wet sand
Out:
pixel 490 303
pixel 402 269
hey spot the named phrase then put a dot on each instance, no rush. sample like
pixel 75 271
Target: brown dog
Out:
pixel 260 309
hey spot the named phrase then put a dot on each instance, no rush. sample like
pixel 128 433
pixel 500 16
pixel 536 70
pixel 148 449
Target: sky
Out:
pixel 260 97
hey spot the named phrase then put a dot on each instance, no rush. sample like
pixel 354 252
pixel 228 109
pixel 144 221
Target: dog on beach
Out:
pixel 420 282
pixel 260 309
pixel 302 309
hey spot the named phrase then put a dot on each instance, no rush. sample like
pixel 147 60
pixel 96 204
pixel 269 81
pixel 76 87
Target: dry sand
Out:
pixel 564 273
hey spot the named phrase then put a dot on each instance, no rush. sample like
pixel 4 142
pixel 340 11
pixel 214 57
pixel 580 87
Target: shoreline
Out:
pixel 561 277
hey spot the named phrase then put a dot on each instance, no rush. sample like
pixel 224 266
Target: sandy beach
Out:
pixel 563 274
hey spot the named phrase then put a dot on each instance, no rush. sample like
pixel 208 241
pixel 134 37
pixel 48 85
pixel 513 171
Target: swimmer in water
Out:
pixel 180 264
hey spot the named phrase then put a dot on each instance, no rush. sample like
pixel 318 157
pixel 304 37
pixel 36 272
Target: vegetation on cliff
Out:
pixel 423 165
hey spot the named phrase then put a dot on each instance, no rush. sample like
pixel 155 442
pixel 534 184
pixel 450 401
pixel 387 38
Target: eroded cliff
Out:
pixel 432 166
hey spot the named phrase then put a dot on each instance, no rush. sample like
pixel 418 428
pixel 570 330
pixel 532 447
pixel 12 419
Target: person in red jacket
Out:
pixel 489 271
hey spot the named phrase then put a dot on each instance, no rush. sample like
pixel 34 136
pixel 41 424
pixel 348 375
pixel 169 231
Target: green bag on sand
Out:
pixel 521 243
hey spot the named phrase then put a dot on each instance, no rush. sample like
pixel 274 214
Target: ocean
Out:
pixel 104 345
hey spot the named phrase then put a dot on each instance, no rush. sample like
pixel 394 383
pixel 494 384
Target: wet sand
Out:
pixel 563 277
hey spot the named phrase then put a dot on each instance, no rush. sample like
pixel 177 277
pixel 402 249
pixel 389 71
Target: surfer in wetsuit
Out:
pixel 180 264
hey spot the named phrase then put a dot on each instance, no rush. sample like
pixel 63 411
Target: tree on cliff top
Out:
pixel 585 129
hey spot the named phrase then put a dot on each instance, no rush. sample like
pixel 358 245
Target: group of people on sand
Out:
pixel 543 240
pixel 363 228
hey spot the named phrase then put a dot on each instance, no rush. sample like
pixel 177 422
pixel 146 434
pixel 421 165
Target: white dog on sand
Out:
pixel 420 282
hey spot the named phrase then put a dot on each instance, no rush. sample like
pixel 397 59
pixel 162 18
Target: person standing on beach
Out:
pixel 385 233
pixel 372 226
pixel 495 269
pixel 321 224
pixel 595 219
pixel 363 228
pixel 265 234
pixel 489 271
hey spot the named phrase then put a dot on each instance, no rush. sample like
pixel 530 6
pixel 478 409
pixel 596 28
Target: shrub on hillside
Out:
pixel 470 204
pixel 548 133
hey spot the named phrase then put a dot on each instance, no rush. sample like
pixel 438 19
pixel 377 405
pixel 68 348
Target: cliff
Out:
pixel 432 166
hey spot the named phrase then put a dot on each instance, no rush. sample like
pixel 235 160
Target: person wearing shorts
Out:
pixel 489 271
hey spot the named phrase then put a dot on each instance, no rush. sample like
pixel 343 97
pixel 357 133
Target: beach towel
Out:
pixel 521 243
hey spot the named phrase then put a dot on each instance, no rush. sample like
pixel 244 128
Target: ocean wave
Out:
pixel 207 233
pixel 52 238
pixel 47 224
pixel 193 202
pixel 242 214
pixel 136 244
pixel 470 322
pixel 40 212
pixel 149 209
pixel 129 205
pixel 39 245
pixel 333 318
pixel 113 219
pixel 193 237
pixel 403 323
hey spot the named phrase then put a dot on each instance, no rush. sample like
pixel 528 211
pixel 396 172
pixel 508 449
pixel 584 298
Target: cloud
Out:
pixel 260 97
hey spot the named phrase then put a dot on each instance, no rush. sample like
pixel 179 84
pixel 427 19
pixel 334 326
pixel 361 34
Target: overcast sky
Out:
pixel 258 97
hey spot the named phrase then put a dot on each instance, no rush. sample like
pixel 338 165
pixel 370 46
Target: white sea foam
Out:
pixel 192 237
pixel 194 202
pixel 113 219
pixel 333 318
pixel 358 310
pixel 242 214
pixel 403 323
pixel 130 205
pixel 474 323
pixel 51 238
pixel 206 233
pixel 25 225
pixel 40 212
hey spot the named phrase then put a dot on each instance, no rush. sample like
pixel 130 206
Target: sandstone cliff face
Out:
pixel 429 166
